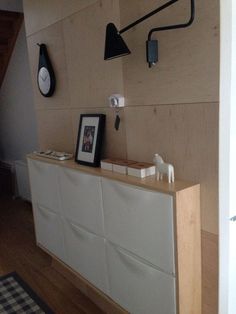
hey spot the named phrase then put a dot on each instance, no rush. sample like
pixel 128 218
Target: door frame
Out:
pixel 227 157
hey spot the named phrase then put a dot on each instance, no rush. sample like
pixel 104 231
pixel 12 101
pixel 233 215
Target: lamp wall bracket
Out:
pixel 150 44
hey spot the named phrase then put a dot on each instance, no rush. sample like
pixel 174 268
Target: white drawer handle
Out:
pixel 83 234
pixel 45 212
pixel 130 262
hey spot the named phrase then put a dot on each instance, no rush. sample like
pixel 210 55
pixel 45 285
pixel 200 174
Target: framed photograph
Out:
pixel 89 141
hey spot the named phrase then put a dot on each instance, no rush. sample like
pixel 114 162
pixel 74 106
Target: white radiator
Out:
pixel 22 180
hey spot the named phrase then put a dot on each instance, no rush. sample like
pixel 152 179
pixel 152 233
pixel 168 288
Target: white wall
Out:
pixel 227 157
pixel 224 148
pixel 18 129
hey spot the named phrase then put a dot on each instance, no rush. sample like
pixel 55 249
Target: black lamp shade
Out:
pixel 114 45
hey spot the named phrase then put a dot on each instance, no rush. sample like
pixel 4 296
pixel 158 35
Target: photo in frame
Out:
pixel 90 138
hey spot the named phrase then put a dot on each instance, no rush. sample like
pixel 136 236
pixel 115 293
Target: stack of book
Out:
pixel 130 167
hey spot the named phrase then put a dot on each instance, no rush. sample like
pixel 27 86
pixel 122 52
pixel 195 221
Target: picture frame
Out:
pixel 89 140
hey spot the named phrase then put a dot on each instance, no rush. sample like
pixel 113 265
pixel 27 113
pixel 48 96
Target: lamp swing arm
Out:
pixel 115 46
pixel 175 26
pixel 162 7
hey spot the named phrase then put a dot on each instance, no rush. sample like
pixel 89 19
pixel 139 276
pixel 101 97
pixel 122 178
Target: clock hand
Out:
pixel 43 78
pixel 46 77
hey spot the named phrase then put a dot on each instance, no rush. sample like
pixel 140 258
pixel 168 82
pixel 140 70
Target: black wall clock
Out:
pixel 46 77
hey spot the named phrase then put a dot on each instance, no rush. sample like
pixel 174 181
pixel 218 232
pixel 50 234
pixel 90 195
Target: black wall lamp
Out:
pixel 115 46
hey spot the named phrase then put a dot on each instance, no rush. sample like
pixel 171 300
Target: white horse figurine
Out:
pixel 163 168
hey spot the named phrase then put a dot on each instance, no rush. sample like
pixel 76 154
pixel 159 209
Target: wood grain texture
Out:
pixel 91 79
pixel 146 183
pixel 187 74
pixel 188 66
pixel 19 253
pixel 58 124
pixel 41 14
pixel 210 270
pixel 188 250
pixel 22 255
pixel 209 264
pixel 105 303
pixel 185 136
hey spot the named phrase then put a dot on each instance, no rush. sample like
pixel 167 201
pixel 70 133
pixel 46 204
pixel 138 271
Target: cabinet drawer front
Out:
pixel 44 184
pixel 138 287
pixel 82 199
pixel 49 231
pixel 140 221
pixel 86 254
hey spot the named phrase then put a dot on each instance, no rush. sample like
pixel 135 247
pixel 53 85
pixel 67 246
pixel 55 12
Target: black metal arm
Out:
pixel 175 26
pixel 164 6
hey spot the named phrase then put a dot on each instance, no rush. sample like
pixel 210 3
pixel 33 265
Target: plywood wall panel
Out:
pixel 53 37
pixel 171 109
pixel 72 6
pixel 55 130
pixel 185 135
pixel 91 79
pixel 114 141
pixel 43 13
pixel 188 67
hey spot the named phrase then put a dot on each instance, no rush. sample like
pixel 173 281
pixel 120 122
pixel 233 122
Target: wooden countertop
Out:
pixel 146 183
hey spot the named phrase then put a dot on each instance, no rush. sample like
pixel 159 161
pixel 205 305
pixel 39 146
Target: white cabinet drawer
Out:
pixel 138 287
pixel 44 184
pixel 82 199
pixel 86 254
pixel 140 221
pixel 49 231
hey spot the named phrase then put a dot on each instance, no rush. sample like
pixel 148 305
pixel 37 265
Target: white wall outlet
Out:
pixel 116 101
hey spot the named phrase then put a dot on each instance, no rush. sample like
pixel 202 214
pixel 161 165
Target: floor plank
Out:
pixel 19 253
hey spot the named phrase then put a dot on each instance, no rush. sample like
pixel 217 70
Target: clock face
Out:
pixel 44 80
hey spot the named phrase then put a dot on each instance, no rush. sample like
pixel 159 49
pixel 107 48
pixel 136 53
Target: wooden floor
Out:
pixel 19 253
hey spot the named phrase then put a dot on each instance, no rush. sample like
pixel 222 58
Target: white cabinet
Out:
pixel 136 240
pixel 44 184
pixel 140 221
pixel 46 207
pixel 86 254
pixel 81 198
pixel 138 287
pixel 49 231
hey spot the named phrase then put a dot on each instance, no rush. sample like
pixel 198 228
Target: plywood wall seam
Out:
pixel 59 20
pixel 173 104
pixel 171 109
pixel 42 29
